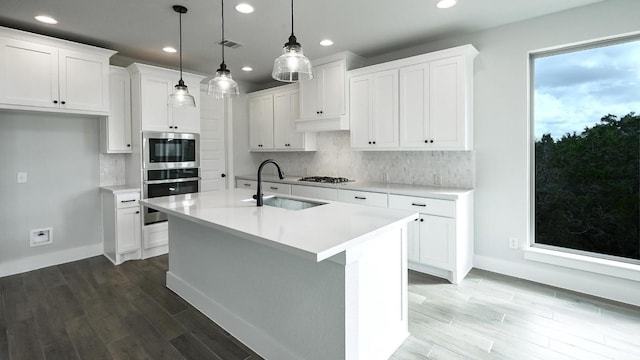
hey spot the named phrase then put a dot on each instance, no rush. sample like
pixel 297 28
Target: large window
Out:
pixel 586 125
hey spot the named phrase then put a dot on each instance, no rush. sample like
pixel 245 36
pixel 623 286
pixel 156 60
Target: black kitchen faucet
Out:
pixel 258 195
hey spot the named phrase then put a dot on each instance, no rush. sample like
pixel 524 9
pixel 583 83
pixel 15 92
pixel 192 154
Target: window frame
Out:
pixel 557 255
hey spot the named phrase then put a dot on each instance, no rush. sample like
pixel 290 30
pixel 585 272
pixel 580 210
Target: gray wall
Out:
pixel 60 155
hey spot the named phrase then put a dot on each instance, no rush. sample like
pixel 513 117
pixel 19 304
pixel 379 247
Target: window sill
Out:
pixel 585 263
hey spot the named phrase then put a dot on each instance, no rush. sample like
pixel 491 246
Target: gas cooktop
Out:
pixel 325 179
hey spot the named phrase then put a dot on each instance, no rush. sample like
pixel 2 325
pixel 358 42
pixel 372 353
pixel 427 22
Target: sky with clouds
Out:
pixel 574 90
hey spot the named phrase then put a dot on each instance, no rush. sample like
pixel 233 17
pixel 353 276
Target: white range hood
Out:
pixel 340 122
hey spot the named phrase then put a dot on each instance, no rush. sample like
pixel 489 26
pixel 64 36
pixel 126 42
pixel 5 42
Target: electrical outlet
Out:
pixel 514 243
pixel 437 179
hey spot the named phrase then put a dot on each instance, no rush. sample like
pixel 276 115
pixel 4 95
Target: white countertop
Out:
pixel 436 192
pixel 316 233
pixel 120 189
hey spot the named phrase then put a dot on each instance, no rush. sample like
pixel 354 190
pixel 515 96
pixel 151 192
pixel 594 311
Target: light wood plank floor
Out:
pixel 90 309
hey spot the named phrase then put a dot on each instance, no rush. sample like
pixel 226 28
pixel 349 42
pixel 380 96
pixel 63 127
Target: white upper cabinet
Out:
pixel 435 100
pixel 324 105
pixel 151 87
pixel 433 107
pixel 374 110
pixel 52 75
pixel 261 122
pixel 272 116
pixel 115 131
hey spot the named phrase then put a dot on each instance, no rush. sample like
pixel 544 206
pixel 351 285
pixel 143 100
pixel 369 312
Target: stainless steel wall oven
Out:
pixel 170 150
pixel 168 182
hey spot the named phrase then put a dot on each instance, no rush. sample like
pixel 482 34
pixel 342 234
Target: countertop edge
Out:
pixel 119 189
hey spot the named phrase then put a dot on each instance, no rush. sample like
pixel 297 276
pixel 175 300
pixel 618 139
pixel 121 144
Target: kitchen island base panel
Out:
pixel 351 306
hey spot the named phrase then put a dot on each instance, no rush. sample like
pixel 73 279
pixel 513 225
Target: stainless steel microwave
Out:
pixel 170 150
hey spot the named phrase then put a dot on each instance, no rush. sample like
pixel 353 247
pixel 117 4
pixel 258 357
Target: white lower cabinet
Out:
pixel 155 239
pixel 363 197
pixel 121 226
pixel 278 188
pixel 440 242
pixel 315 192
pixel 246 184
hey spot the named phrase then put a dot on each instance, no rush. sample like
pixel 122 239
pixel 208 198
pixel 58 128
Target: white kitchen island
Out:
pixel 326 282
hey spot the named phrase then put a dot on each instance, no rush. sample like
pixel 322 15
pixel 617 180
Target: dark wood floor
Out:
pixel 90 309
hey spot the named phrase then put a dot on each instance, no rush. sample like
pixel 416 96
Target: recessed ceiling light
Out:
pixel 46 19
pixel 445 4
pixel 247 68
pixel 244 8
pixel 326 42
pixel 169 49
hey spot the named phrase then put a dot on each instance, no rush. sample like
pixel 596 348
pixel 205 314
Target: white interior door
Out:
pixel 213 167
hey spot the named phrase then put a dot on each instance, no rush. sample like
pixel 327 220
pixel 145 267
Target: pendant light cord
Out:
pixel 222 42
pixel 180 22
pixel 291 17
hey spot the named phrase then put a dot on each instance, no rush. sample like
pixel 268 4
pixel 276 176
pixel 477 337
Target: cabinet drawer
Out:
pixel 363 198
pixel 278 188
pixel 438 207
pixel 127 200
pixel 315 192
pixel 246 184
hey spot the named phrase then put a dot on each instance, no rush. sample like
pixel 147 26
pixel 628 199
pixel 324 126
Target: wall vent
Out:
pixel 230 44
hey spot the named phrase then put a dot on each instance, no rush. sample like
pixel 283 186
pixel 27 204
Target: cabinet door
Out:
pixel 28 74
pixel 309 106
pixel 437 241
pixel 128 229
pixel 359 111
pixel 331 89
pixel 155 101
pixel 83 81
pixel 414 106
pixel 261 122
pixel 413 241
pixel 446 103
pixel 117 137
pixel 384 109
pixel 285 112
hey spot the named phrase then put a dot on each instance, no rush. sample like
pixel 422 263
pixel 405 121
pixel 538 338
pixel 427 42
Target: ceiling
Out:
pixel 139 29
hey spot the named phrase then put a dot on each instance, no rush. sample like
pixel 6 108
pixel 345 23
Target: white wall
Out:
pixel 501 138
pixel 60 156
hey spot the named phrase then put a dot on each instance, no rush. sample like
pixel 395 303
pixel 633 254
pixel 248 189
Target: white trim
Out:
pixel 617 289
pixel 585 263
pixel 49 259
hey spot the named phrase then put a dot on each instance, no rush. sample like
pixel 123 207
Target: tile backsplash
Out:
pixel 112 169
pixel 335 158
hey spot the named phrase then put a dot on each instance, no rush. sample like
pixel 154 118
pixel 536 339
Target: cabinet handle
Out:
pixel 63 102
pixel 418 204
pixel 245 184
pixel 369 142
pixel 223 175
pixel 426 141
pixel 421 220
pixel 321 112
pixel 374 143
pixel 138 212
pixel 55 101
pixel 127 201
pixel 175 127
pixel 431 141
pixel 360 197
pixel 128 145
pixel 273 188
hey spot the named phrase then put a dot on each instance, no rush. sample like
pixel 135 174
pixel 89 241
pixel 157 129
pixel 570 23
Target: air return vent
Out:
pixel 230 44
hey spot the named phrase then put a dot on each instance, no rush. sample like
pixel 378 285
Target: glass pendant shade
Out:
pixel 181 96
pixel 223 85
pixel 292 65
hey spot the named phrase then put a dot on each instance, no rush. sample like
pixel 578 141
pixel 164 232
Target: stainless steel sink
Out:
pixel 287 203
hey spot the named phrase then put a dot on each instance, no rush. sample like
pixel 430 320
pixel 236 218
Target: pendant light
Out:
pixel 223 85
pixel 181 96
pixel 292 65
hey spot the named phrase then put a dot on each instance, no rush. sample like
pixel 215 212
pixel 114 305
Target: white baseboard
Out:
pixel 257 340
pixel 49 259
pixel 612 288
